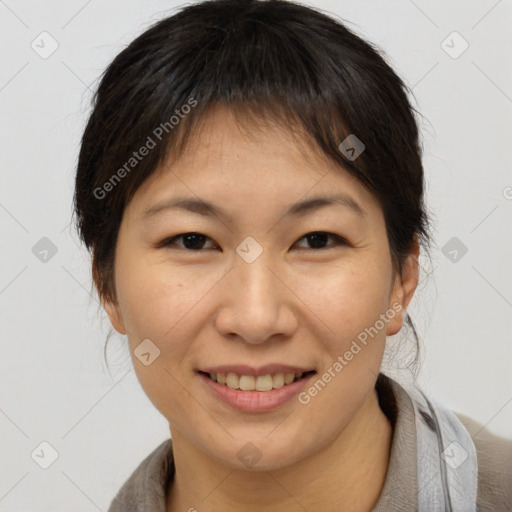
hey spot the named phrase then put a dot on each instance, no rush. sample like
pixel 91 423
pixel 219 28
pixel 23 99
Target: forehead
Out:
pixel 237 159
pixel 223 134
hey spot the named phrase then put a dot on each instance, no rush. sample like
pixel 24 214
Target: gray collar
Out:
pixel 430 446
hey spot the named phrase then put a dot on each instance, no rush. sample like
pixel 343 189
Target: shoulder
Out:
pixel 145 489
pixel 494 455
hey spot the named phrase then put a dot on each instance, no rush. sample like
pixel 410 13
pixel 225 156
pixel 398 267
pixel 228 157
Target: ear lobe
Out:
pixel 403 289
pixel 116 319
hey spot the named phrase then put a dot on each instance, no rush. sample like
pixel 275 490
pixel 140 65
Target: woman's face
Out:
pixel 252 294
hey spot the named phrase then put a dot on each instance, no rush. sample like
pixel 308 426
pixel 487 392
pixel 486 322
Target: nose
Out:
pixel 256 305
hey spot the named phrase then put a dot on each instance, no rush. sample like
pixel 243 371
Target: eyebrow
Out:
pixel 205 208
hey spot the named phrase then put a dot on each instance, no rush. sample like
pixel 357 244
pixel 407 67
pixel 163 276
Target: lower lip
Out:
pixel 255 401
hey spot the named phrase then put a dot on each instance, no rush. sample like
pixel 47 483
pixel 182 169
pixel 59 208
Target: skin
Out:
pixel 295 304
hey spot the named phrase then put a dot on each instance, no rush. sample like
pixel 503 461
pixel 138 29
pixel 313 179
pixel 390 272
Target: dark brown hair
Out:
pixel 272 59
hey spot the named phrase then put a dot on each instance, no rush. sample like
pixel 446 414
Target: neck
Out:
pixel 348 474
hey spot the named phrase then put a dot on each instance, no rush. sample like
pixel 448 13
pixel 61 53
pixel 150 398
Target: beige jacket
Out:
pixel 146 488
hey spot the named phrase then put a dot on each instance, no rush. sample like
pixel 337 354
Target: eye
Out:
pixel 191 241
pixel 196 241
pixel 318 240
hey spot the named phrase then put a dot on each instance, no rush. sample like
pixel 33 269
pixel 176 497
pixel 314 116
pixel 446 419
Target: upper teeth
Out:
pixel 251 383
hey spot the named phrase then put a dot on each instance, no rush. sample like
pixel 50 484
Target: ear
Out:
pixel 116 319
pixel 112 309
pixel 404 286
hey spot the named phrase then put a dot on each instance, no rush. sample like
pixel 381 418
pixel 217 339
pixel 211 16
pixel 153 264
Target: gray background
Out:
pixel 54 386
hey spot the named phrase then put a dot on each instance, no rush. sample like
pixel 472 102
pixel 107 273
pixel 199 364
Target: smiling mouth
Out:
pixel 266 382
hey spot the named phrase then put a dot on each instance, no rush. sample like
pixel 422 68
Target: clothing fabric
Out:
pixel 446 459
pixel 439 461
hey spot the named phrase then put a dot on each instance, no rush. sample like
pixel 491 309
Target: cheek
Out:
pixel 163 304
pixel 349 299
pixel 159 306
pixel 350 302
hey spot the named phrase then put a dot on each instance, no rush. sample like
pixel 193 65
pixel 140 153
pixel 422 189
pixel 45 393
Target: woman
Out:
pixel 250 186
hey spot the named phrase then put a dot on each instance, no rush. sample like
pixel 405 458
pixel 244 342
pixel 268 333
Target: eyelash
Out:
pixel 169 242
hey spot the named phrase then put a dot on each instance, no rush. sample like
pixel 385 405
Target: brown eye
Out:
pixel 319 240
pixel 190 241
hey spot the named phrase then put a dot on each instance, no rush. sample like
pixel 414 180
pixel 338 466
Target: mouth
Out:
pixel 247 390
pixel 264 382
